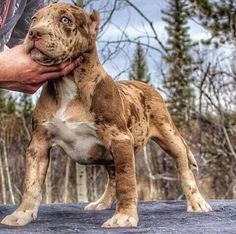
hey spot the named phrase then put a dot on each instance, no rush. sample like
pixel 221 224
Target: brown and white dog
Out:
pixel 95 120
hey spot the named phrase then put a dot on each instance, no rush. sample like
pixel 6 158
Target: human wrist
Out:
pixel 5 84
pixel 4 76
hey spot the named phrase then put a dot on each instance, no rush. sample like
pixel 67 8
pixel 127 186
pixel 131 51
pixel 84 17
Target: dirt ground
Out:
pixel 155 217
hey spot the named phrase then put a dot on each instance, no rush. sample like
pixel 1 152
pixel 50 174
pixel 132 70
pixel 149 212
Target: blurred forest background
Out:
pixel 197 78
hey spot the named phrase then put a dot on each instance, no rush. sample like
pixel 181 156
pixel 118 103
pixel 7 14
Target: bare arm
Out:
pixel 19 72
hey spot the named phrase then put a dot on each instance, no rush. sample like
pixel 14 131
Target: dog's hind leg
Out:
pixel 106 200
pixel 169 138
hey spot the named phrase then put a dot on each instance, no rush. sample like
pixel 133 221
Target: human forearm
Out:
pixel 4 74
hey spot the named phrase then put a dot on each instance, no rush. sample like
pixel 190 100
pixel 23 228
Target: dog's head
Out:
pixel 60 32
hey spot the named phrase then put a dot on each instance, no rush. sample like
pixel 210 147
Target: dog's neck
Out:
pixel 90 68
pixel 88 74
pixel 85 77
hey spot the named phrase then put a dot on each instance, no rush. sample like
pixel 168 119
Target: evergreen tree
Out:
pixel 139 69
pixel 2 101
pixel 10 105
pixel 217 16
pixel 26 105
pixel 7 104
pixel 179 60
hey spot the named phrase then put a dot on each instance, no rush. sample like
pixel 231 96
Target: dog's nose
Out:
pixel 35 34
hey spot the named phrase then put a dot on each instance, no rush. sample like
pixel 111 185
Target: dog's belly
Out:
pixel 79 141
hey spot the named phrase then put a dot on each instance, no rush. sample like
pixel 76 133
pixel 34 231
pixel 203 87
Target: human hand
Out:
pixel 19 72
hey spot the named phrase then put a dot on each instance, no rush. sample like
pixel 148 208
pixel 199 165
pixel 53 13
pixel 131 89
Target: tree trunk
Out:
pixel 81 183
pixel 8 173
pixel 66 182
pixel 4 197
pixel 94 186
pixel 48 183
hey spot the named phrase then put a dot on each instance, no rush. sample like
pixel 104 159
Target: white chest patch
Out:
pixel 76 138
pixel 67 91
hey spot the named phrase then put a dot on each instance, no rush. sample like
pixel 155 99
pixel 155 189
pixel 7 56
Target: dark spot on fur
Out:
pixel 106 96
pixel 134 112
pixel 129 122
pixel 135 148
pixel 193 190
pixel 34 124
pixel 62 12
pixel 32 153
pixel 96 152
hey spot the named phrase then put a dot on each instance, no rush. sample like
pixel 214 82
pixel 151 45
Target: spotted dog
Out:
pixel 95 120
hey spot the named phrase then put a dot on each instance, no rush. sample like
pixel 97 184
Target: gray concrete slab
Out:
pixel 155 217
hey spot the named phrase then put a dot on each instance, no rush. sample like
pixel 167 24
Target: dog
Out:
pixel 95 120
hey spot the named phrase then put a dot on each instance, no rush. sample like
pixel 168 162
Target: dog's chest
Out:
pixel 72 126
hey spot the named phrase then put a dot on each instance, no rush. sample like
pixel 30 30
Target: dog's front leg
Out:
pixel 126 190
pixel 37 158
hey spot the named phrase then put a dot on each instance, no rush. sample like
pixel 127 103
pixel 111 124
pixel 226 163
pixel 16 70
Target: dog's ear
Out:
pixel 94 25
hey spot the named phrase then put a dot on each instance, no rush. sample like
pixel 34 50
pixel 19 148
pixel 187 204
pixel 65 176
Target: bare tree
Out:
pixel 48 184
pixel 81 183
pixel 66 181
pixel 12 197
pixel 3 185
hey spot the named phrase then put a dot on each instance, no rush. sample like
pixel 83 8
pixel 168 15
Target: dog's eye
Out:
pixel 33 19
pixel 65 20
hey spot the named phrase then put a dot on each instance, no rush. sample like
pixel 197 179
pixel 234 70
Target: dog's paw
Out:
pixel 98 205
pixel 198 204
pixel 19 218
pixel 121 220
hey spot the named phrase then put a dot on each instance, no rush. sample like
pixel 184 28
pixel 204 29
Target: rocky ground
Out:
pixel 155 217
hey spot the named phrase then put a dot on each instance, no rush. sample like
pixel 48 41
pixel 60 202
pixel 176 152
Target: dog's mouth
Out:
pixel 38 54
pixel 41 57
